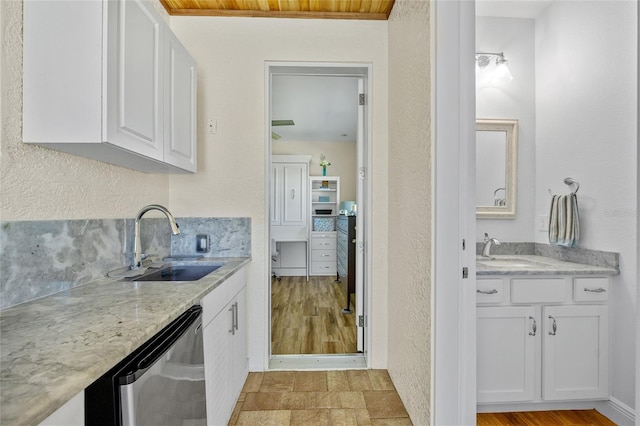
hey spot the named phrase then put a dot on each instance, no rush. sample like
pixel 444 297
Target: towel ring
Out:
pixel 569 181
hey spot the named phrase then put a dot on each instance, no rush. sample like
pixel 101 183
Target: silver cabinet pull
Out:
pixel 235 305
pixel 233 320
pixel 534 327
pixel 595 290
pixel 554 326
pixel 492 291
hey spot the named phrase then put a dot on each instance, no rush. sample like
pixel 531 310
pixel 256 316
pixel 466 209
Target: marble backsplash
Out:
pixel 38 258
pixel 604 259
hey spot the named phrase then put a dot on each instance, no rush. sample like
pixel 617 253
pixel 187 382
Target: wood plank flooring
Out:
pixel 307 318
pixel 551 418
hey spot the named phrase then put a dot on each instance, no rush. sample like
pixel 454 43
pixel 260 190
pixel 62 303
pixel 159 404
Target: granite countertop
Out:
pixel 536 265
pixel 52 348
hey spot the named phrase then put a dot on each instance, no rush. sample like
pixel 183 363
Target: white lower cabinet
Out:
pixel 505 354
pixel 542 343
pixel 225 347
pixel 575 352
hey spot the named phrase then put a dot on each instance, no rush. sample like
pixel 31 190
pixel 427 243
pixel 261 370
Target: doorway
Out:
pixel 317 309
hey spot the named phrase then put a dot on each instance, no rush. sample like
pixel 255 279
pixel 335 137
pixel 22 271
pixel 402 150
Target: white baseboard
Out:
pixel 617 412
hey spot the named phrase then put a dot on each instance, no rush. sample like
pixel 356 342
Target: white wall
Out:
pixel 511 100
pixel 410 168
pixel 231 55
pixel 38 183
pixel 587 113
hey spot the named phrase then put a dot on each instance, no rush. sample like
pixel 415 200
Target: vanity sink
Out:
pixel 507 262
pixel 177 273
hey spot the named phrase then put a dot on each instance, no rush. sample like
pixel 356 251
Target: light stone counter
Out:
pixel 536 265
pixel 52 348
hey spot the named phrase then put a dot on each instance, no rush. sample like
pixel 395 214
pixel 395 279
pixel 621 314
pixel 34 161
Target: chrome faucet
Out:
pixel 137 249
pixel 488 243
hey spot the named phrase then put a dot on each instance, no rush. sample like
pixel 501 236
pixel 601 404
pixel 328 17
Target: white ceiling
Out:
pixel 323 108
pixel 511 8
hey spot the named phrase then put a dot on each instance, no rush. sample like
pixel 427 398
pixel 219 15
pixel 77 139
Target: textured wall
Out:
pixel 231 55
pixel 586 128
pixel 410 184
pixel 38 183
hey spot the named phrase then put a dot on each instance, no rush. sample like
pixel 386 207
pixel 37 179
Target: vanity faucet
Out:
pixel 137 250
pixel 488 243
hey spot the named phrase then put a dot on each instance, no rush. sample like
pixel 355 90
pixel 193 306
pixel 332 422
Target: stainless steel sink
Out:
pixel 177 273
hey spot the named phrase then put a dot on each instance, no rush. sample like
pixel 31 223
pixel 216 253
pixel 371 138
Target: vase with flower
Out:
pixel 324 163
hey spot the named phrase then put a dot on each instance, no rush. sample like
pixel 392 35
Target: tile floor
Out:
pixel 345 397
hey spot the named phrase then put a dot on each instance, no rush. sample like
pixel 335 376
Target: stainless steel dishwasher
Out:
pixel 160 384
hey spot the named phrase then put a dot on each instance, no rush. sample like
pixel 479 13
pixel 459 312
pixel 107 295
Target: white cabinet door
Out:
pixel 289 194
pixel 225 336
pixel 294 212
pixel 180 94
pixel 134 78
pixel 218 353
pixel 575 352
pixel 240 361
pixel 505 353
pixel 277 188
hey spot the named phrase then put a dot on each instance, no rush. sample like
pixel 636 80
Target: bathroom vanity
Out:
pixel 542 331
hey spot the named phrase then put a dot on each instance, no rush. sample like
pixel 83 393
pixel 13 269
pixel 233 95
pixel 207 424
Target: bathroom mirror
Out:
pixel 496 168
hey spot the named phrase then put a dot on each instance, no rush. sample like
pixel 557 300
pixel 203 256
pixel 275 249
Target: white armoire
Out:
pixel 289 214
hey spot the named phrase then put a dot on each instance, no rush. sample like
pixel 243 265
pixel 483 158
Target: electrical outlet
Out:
pixel 202 243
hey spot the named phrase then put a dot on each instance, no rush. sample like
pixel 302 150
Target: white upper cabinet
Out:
pixel 289 182
pixel 180 87
pixel 109 81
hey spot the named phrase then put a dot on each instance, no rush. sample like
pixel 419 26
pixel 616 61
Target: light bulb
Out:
pixel 502 72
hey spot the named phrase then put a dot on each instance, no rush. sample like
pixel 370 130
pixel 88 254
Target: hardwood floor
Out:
pixel 551 418
pixel 307 318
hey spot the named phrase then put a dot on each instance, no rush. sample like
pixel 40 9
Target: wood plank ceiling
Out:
pixel 315 9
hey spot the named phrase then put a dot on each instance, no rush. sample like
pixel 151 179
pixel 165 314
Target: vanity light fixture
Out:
pixel 495 65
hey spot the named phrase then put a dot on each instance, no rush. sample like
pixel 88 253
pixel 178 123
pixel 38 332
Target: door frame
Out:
pixel 324 361
pixel 453 311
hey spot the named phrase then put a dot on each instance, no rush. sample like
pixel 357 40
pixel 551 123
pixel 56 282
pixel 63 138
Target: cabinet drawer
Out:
pixel 490 291
pixel 590 289
pixel 323 267
pixel 323 256
pixel 323 243
pixel 538 290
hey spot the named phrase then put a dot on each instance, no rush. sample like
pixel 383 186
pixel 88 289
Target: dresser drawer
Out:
pixel 323 255
pixel 323 243
pixel 591 289
pixel 323 268
pixel 538 290
pixel 490 291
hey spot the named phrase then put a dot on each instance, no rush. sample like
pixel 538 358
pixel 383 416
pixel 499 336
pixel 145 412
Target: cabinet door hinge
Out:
pixel 465 272
pixel 362 99
pixel 361 321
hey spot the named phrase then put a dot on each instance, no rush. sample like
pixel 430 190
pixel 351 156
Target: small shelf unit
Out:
pixel 324 194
